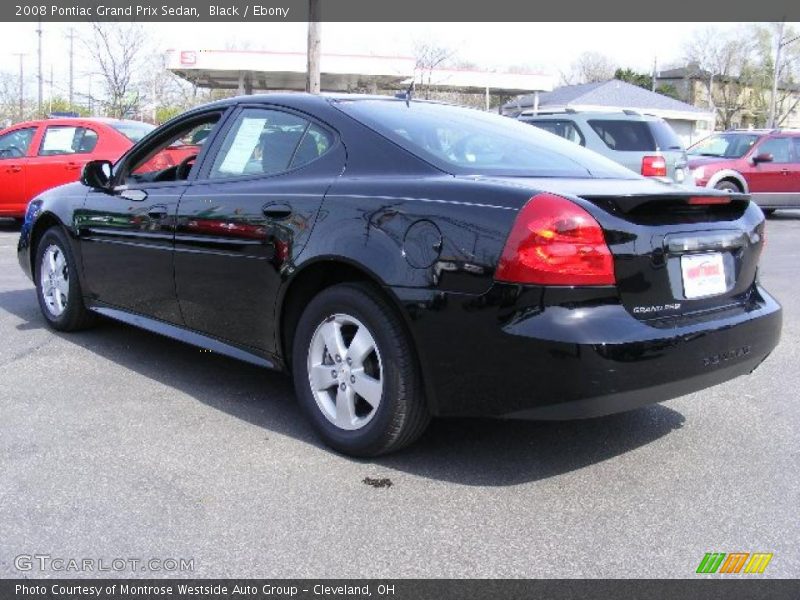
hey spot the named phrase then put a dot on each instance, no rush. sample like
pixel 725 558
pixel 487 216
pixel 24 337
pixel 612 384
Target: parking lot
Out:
pixel 118 443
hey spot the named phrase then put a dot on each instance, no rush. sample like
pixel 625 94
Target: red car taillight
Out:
pixel 556 242
pixel 654 166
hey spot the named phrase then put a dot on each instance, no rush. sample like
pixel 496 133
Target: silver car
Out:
pixel 643 143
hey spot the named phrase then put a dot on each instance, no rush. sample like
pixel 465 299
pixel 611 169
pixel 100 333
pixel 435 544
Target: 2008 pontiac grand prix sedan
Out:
pixel 409 259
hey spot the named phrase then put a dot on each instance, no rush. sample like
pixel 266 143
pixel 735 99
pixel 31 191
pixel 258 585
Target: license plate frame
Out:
pixel 703 275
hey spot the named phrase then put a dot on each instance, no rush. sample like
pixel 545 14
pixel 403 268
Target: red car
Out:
pixel 763 163
pixel 38 155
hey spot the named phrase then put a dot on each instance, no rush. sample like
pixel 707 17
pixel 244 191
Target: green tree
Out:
pixel 629 75
pixel 667 89
pixel 59 104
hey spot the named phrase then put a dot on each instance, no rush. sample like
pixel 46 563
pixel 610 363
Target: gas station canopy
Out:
pixel 246 71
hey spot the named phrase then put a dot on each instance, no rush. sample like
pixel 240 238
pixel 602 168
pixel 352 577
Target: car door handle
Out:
pixel 14 168
pixel 277 212
pixel 157 212
pixel 72 166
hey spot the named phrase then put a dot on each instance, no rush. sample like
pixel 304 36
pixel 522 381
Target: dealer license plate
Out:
pixel 703 275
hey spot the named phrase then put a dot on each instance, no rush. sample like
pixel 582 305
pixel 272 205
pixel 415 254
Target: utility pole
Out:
pixel 655 74
pixel 776 71
pixel 40 77
pixel 313 50
pixel 71 37
pixel 50 91
pixel 21 85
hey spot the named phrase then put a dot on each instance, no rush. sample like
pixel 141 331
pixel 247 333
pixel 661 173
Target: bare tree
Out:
pixel 117 50
pixel 726 63
pixel 787 99
pixel 429 56
pixel 9 96
pixel 589 67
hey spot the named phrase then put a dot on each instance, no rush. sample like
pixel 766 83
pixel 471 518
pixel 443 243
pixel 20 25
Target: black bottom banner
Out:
pixel 397 589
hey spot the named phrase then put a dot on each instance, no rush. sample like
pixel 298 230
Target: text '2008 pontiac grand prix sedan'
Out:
pixel 409 259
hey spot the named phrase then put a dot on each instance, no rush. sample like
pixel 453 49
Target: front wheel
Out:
pixel 355 372
pixel 57 287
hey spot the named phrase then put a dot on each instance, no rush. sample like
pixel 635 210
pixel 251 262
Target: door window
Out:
pixel 266 142
pixel 778 147
pixel 796 142
pixel 15 144
pixel 67 139
pixel 170 157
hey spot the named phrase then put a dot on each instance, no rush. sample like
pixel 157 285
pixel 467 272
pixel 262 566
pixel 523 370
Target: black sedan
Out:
pixel 405 260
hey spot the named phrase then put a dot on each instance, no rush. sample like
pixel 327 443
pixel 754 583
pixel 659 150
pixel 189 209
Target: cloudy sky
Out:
pixel 547 46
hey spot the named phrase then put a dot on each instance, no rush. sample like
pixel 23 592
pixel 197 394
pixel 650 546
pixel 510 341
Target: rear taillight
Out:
pixel 556 242
pixel 654 166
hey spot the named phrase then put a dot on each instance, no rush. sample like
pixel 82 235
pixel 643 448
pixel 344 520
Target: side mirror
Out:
pixel 96 174
pixel 762 158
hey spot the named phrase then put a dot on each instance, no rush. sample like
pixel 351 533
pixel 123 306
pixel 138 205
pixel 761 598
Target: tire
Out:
pixel 57 287
pixel 728 186
pixel 375 358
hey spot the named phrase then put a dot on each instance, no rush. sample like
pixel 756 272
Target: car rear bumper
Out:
pixel 506 357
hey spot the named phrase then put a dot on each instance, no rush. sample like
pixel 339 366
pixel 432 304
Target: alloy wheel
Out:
pixel 54 280
pixel 345 371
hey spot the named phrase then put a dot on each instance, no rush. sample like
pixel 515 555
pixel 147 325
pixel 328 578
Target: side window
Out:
pixel 796 142
pixel 565 129
pixel 315 142
pixel 778 147
pixel 266 142
pixel 67 139
pixel 15 144
pixel 171 157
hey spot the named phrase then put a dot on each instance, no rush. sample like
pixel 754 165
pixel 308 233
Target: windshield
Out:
pixel 133 130
pixel 724 145
pixel 467 141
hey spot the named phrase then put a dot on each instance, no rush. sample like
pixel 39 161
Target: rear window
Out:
pixel 636 136
pixel 468 141
pixel 665 136
pixel 133 130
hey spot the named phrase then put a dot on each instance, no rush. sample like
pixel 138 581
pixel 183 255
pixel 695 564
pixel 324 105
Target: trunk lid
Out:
pixel 659 239
pixel 680 252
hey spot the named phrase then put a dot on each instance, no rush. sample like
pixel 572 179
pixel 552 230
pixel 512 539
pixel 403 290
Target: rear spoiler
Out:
pixel 690 199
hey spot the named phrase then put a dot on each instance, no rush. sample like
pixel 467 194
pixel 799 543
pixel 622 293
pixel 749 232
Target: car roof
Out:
pixel 624 115
pixel 765 132
pixel 72 121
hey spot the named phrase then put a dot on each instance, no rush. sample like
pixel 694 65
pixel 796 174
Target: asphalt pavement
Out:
pixel 117 443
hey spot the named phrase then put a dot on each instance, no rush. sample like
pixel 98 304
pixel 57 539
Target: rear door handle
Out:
pixel 14 168
pixel 277 212
pixel 71 166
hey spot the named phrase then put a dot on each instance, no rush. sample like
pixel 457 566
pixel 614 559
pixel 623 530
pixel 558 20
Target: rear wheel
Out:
pixel 355 372
pixel 728 186
pixel 57 287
